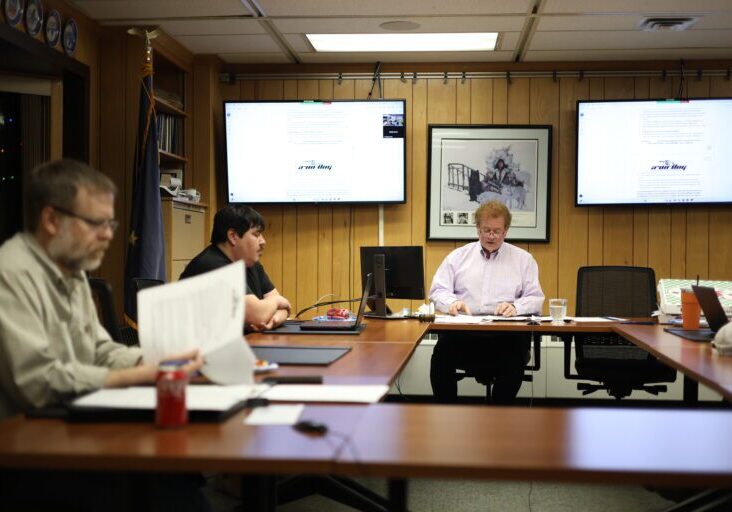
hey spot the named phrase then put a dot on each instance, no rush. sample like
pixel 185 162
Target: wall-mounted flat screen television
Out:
pixel 315 151
pixel 642 152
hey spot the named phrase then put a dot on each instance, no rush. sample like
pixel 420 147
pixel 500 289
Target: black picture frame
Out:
pixel 465 170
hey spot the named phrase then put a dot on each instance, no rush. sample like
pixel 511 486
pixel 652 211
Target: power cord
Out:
pixel 327 303
pixel 680 95
pixel 531 489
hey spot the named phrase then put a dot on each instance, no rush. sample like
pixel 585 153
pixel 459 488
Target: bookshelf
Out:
pixel 169 83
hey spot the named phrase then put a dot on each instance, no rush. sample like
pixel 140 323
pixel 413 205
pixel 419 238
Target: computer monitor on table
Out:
pixel 398 273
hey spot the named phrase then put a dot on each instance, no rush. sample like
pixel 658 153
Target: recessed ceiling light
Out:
pixel 399 26
pixel 443 42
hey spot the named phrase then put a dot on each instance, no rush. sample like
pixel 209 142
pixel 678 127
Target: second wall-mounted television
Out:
pixel 287 152
pixel 642 152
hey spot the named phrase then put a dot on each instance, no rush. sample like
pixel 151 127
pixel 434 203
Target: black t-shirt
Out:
pixel 211 258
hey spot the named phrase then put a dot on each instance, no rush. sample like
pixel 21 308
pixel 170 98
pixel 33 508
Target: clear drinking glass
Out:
pixel 558 310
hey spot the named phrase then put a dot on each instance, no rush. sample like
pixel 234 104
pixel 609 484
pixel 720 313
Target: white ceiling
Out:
pixel 272 31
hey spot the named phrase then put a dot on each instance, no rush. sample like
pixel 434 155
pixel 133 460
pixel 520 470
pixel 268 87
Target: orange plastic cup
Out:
pixel 690 310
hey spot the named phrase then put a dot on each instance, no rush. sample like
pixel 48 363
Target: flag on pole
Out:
pixel 146 240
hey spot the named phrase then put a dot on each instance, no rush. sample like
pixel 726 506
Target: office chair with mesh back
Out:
pixel 619 366
pixel 102 292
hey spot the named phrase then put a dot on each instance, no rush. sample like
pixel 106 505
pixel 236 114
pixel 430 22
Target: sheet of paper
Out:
pixel 198 397
pixel 275 415
pixel 204 312
pixel 498 318
pixel 580 319
pixel 459 319
pixel 326 393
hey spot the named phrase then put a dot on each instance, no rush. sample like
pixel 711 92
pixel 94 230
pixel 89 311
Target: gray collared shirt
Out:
pixel 52 346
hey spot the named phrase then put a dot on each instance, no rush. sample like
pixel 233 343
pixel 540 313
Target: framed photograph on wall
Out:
pixel 471 164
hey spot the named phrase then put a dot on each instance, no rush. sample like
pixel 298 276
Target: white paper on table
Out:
pixel 275 415
pixel 198 397
pixel 204 312
pixel 501 318
pixel 580 319
pixel 460 319
pixel 367 394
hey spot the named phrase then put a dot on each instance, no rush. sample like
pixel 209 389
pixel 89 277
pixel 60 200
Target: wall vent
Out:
pixel 655 23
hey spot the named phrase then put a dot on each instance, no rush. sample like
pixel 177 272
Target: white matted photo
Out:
pixel 472 164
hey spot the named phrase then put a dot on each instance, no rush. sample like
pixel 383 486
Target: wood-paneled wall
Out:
pixel 313 251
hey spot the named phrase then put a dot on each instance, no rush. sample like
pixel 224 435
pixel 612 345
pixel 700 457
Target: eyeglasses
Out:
pixel 113 224
pixel 494 232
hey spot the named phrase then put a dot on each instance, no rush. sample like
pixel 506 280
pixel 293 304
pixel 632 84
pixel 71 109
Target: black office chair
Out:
pixel 141 283
pixel 102 292
pixel 528 371
pixel 619 366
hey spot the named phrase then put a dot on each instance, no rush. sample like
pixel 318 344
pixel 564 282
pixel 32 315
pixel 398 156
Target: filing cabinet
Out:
pixel 185 234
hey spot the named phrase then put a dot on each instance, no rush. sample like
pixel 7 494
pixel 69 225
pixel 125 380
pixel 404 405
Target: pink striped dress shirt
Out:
pixel 483 280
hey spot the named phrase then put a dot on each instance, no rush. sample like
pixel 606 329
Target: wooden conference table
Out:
pixel 399 441
pixel 698 362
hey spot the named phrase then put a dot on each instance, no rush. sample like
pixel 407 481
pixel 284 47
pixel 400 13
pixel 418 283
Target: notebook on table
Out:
pixel 284 355
pixel 713 312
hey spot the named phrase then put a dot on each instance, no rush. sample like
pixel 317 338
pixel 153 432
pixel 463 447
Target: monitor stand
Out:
pixel 377 301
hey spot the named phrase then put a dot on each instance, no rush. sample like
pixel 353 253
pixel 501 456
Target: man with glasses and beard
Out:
pixel 52 346
pixel 487 277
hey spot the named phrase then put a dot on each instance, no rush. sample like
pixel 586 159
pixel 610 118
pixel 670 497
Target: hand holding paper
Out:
pixel 205 312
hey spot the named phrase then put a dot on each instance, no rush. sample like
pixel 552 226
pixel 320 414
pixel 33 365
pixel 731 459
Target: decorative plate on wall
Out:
pixel 13 11
pixel 53 27
pixel 71 34
pixel 33 16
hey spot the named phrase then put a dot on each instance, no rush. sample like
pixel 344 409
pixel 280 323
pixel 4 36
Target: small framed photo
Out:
pixel 472 164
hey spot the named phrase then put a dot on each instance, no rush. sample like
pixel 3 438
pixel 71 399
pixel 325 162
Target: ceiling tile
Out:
pixel 597 40
pixel 622 22
pixel 589 22
pixel 212 26
pixel 371 25
pixel 254 58
pixel 133 9
pixel 508 41
pixel 626 55
pixel 635 6
pixel 229 44
pixel 324 8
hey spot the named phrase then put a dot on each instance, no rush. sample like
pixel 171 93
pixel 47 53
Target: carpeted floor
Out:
pixel 494 496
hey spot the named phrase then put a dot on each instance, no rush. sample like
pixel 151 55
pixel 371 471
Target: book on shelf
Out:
pixel 170 133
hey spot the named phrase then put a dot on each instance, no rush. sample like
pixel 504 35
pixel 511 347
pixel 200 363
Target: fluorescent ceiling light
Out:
pixel 456 42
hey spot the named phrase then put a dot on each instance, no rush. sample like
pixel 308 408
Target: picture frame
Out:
pixel 471 164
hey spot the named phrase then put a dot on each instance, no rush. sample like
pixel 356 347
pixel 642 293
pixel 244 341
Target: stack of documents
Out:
pixel 204 312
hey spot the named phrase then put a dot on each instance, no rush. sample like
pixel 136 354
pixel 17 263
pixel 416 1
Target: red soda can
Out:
pixel 171 411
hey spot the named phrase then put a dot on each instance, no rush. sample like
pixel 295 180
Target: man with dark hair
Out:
pixel 52 346
pixel 487 277
pixel 238 235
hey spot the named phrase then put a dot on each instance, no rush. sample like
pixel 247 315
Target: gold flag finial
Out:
pixel 148 36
